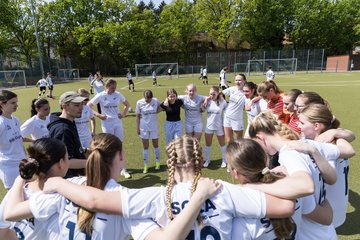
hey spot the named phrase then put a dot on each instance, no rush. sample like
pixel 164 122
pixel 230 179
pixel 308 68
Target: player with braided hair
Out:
pixel 103 167
pixel 304 177
pixel 215 219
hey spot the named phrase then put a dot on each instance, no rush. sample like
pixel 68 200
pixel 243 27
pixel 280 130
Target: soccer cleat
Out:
pixel 206 164
pixel 125 174
pixel 145 169
pixel 223 165
pixel 157 166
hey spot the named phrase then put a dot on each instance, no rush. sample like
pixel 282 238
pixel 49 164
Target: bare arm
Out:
pixel 96 114
pixel 180 227
pixel 8 234
pixel 332 134
pixel 90 198
pixel 16 208
pixel 322 213
pixel 299 184
pixel 138 116
pixel 93 126
pixel 76 163
pixel 278 207
pixel 346 149
pixel 126 109
pixel 327 171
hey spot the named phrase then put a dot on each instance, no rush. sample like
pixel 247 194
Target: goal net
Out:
pixel 12 78
pixel 279 66
pixel 68 74
pixel 161 69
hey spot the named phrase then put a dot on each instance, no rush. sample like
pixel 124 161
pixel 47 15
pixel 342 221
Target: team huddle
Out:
pixel 290 164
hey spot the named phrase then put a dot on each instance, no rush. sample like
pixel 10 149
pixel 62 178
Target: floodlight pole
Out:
pixel 37 38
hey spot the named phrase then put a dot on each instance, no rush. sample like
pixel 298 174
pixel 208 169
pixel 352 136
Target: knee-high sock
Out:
pixel 207 153
pixel 157 154
pixel 223 151
pixel 146 156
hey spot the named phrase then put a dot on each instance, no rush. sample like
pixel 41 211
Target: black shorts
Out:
pixel 131 82
pixel 205 77
pixel 42 89
pixel 51 87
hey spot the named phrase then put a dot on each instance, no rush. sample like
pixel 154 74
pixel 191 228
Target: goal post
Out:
pixel 161 69
pixel 12 78
pixel 68 74
pixel 279 66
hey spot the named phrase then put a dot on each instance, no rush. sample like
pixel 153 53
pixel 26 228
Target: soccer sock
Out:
pixel 223 151
pixel 146 156
pixel 207 153
pixel 157 154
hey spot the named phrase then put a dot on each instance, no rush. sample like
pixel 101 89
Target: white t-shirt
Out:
pixel 105 226
pixel 41 83
pixel 129 76
pixel 109 103
pixel 192 108
pixel 337 194
pixel 49 81
pixel 98 86
pixel 252 228
pixel 270 75
pixel 11 143
pixel 223 78
pixel 82 124
pixel 256 108
pixel 295 161
pixel 214 119
pixel 36 127
pixel 217 213
pixel 236 104
pixel 204 72
pixel 148 112
pixel 30 229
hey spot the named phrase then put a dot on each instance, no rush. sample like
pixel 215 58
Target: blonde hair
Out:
pixel 319 113
pixel 249 159
pixel 183 152
pixel 104 148
pixel 191 85
pixel 109 82
pixel 83 92
pixel 266 86
pixel 268 123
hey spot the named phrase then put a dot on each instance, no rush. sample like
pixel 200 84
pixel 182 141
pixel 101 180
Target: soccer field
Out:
pixel 340 89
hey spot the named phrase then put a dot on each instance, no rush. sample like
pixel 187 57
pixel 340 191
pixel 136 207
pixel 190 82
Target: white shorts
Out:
pixel 219 132
pixel 9 170
pixel 172 130
pixel 193 128
pixel 235 125
pixel 113 126
pixel 154 134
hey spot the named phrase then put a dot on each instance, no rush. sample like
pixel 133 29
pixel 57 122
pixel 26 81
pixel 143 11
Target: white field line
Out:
pixel 134 83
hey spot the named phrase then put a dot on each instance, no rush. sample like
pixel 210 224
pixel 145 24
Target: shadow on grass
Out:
pixel 215 164
pixel 146 180
pixel 351 225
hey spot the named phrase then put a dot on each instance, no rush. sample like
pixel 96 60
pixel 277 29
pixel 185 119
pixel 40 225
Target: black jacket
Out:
pixel 65 130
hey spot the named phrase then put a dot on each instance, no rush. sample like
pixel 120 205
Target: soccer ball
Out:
pixel 130 110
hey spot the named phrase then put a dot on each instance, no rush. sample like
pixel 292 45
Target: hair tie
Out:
pixel 333 119
pixel 34 161
pixel 265 171
pixel 184 165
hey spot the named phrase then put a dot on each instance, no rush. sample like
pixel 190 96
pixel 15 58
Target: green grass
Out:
pixel 340 89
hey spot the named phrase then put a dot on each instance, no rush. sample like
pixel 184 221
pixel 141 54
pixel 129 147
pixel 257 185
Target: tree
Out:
pixel 218 18
pixel 264 22
pixel 177 26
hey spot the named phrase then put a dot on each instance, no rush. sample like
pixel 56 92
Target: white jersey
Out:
pixel 204 72
pixel 82 126
pixel 256 108
pixel 223 79
pixel 252 228
pixel 295 161
pixel 192 108
pixel 41 83
pixel 98 86
pixel 49 81
pixel 236 104
pixel 30 229
pixel 109 103
pixel 149 114
pixel 154 74
pixel 270 75
pixel 35 127
pixel 337 194
pixel 11 143
pixel 129 76
pixel 217 212
pixel 105 226
pixel 214 117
